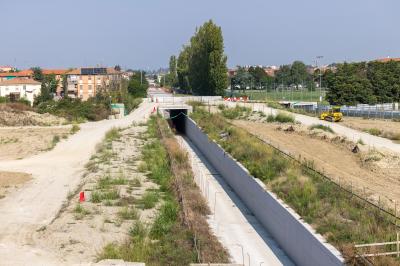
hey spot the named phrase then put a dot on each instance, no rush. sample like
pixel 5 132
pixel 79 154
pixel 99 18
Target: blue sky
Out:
pixel 143 34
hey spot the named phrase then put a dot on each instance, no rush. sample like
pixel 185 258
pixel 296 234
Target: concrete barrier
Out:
pixel 296 238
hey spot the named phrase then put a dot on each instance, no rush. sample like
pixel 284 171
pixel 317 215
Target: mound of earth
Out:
pixel 28 118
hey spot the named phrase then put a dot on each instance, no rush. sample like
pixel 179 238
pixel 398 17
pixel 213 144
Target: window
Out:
pixel 89 77
pixel 81 88
pixel 89 87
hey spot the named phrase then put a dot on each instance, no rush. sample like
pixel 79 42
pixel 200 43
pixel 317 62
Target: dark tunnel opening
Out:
pixel 177 119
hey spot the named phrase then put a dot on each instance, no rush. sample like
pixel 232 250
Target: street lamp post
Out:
pixel 320 78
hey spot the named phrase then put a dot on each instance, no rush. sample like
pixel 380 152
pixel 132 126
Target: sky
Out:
pixel 142 34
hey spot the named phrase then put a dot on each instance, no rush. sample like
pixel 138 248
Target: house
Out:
pixel 20 88
pixel 28 74
pixel 87 82
pixel 388 59
pixel 7 69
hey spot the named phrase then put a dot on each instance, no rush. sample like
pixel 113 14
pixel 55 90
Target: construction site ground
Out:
pixel 369 170
pixel 21 142
pixel 26 212
pixel 363 124
pixel 81 230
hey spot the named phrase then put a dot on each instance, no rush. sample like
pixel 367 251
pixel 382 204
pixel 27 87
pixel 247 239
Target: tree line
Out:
pixel 200 67
pixel 364 82
pixel 295 75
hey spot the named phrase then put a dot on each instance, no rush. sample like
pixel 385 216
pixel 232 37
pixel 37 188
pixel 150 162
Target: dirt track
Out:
pixel 332 159
pixel 55 174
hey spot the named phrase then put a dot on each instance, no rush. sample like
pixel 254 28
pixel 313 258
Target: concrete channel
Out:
pixel 254 225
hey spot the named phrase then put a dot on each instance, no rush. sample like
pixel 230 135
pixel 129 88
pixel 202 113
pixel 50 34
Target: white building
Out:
pixel 20 88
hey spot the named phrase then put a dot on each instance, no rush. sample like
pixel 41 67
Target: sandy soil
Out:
pixel 22 142
pixel 55 174
pixel 370 169
pixel 28 118
pixel 10 181
pixel 387 126
pixel 78 238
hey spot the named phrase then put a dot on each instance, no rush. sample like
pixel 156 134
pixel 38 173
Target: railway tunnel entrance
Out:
pixel 176 115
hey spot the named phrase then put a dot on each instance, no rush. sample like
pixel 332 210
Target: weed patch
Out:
pixel 322 127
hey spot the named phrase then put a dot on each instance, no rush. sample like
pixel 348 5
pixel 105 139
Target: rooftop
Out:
pixel 19 81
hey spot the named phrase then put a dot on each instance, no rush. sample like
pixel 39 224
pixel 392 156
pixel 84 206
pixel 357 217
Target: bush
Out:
pixel 237 112
pixel 281 118
pixel 322 127
pixel 75 109
pixel 374 131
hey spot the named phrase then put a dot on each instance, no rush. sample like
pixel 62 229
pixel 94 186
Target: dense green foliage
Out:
pixel 138 85
pixel 288 75
pixel 372 82
pixel 201 65
pixel 75 109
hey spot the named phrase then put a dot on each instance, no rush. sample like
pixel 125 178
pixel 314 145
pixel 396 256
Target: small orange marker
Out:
pixel 82 196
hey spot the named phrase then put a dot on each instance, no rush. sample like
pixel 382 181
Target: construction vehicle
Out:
pixel 332 115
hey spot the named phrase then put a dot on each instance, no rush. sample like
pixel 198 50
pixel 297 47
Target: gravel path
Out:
pixel 55 174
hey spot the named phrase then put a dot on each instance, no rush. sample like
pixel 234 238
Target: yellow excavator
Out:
pixel 332 115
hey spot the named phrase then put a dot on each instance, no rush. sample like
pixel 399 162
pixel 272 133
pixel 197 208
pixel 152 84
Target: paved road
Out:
pixel 55 174
pixel 351 134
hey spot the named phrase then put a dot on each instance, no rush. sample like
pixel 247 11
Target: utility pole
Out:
pixel 320 77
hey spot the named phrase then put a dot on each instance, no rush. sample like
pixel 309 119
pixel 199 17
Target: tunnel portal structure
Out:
pixel 176 114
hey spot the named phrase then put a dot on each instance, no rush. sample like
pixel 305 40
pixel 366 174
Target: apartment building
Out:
pixel 84 83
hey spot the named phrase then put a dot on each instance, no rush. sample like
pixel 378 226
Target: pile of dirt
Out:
pixel 11 116
pixel 12 180
pixel 28 118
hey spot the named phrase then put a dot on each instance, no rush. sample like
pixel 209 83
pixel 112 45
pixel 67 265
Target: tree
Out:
pixel 138 85
pixel 37 73
pixel 48 89
pixel 283 75
pixel 207 63
pixel 172 76
pixel 242 79
pixel 183 69
pixel 298 73
pixel 117 68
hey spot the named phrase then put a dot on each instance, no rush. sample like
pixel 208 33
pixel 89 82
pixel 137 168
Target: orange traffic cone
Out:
pixel 82 196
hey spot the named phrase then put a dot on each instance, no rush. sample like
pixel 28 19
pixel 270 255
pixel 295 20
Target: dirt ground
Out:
pixel 21 142
pixel 21 115
pixel 10 181
pixel 361 124
pixel 376 171
pixel 79 236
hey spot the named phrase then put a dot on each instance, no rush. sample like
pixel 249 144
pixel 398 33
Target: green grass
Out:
pixel 374 131
pixel 128 213
pixel 149 200
pixel 99 196
pixel 236 112
pixel 312 96
pixel 75 128
pixel 322 127
pixel 107 181
pixel 333 212
pixel 80 212
pixel 112 134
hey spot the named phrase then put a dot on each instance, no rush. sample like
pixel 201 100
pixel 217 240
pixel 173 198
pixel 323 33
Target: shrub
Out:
pixel 236 112
pixel 374 131
pixel 149 199
pixel 113 134
pixel 322 127
pixel 129 213
pixel 281 118
pixel 75 128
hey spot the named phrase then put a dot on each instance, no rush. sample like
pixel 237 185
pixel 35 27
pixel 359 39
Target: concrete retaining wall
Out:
pixel 295 237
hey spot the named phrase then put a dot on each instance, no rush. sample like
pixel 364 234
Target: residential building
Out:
pixel 20 88
pixel 388 59
pixel 86 82
pixel 28 74
pixel 7 69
